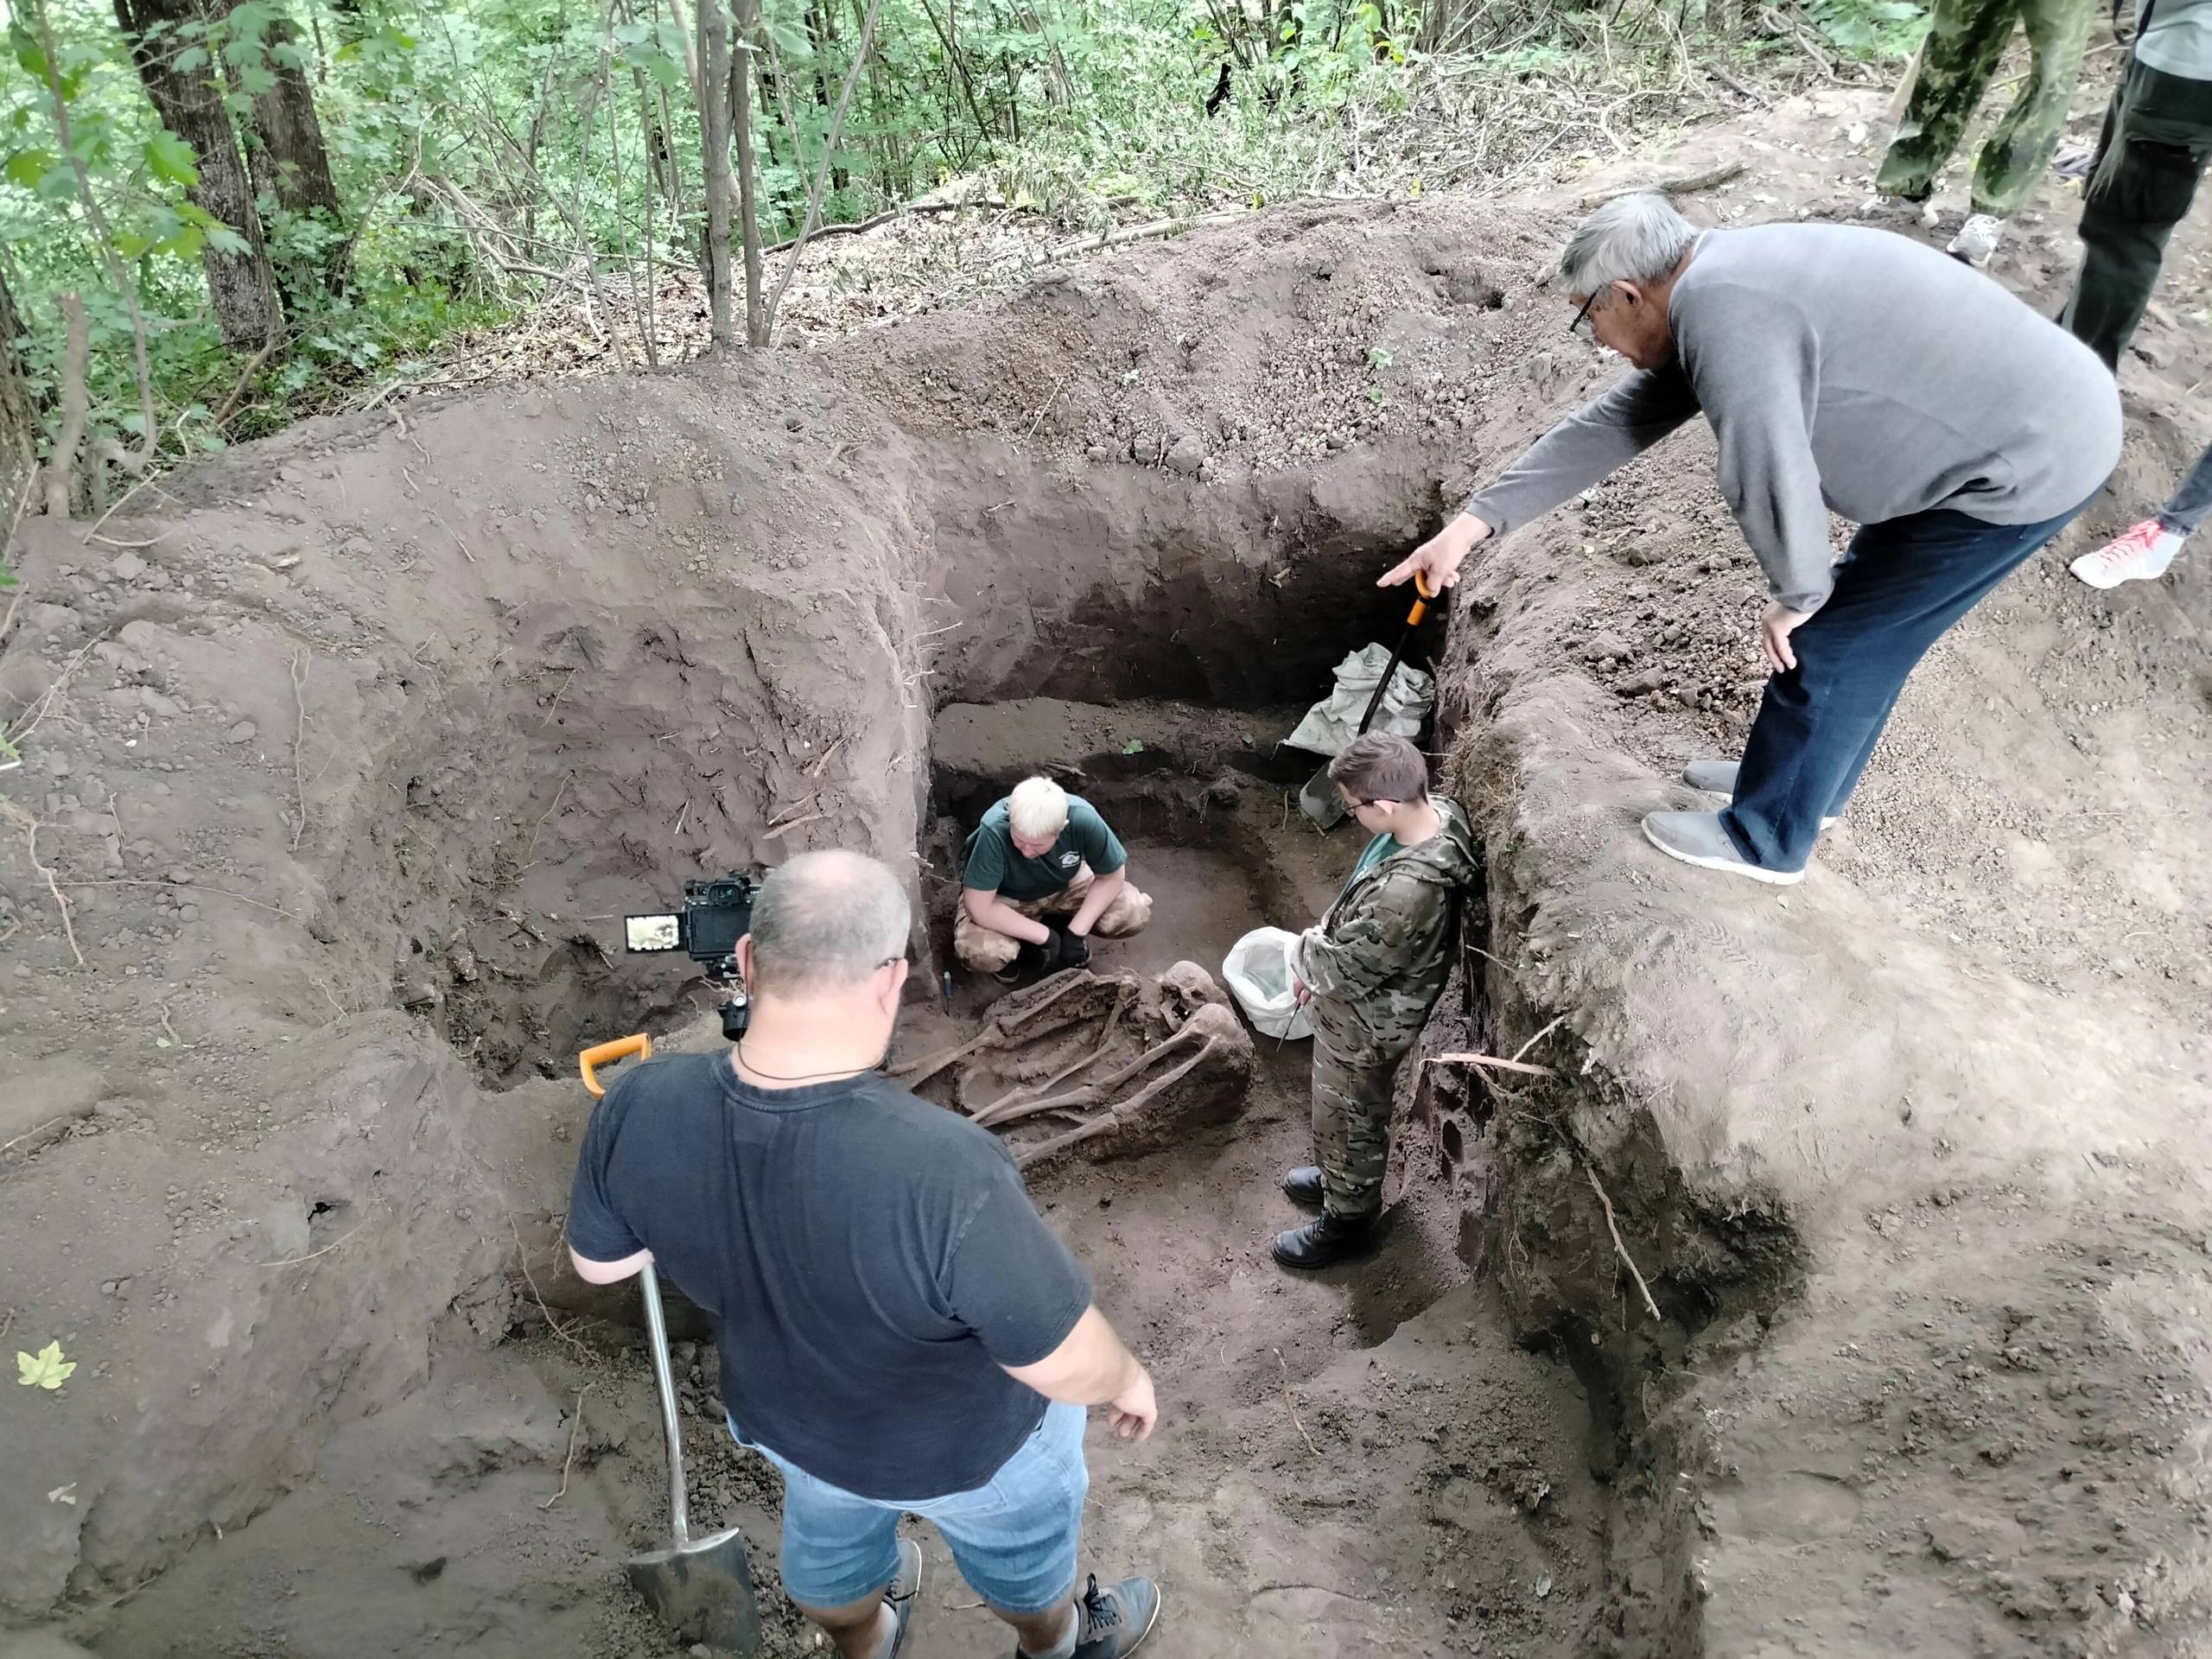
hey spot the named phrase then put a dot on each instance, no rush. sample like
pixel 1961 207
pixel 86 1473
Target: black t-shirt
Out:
pixel 870 1262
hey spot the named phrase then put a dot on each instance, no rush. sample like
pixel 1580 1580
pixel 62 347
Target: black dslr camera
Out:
pixel 717 915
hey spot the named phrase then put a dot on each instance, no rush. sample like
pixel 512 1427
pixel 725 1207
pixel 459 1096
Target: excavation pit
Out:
pixel 1847 1159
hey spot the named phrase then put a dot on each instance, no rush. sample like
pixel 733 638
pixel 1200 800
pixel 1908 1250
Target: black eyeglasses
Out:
pixel 1583 327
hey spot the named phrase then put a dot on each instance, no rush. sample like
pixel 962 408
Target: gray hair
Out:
pixel 1638 239
pixel 825 922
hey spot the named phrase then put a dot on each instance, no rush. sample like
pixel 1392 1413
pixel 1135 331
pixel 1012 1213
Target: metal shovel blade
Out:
pixel 700 1587
pixel 1321 800
pixel 702 1591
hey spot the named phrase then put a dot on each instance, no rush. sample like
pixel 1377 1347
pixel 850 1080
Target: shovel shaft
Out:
pixel 1405 638
pixel 665 1380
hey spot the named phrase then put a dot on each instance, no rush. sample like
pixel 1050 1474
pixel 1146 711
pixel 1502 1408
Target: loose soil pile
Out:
pixel 348 759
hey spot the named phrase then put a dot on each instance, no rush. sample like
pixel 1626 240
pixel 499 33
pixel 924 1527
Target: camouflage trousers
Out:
pixel 1353 1082
pixel 985 951
pixel 1966 39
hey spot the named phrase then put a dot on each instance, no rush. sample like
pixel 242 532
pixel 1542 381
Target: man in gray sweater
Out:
pixel 1841 368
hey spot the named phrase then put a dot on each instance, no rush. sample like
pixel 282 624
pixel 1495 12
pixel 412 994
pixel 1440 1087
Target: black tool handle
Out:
pixel 1413 621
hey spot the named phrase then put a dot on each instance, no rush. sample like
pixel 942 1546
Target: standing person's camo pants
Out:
pixel 1355 1078
pixel 1965 40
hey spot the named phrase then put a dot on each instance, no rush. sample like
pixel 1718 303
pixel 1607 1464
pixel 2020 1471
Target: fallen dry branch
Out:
pixel 188 887
pixel 1289 1400
pixel 299 743
pixel 34 1130
pixel 38 709
pixel 295 1261
pixel 522 1258
pixel 576 1422
pixel 30 827
pixel 1043 410
pixel 1492 1060
pixel 245 376
pixel 1522 1052
pixel 1158 227
pixel 1619 1248
pixel 1688 184
pixel 991 204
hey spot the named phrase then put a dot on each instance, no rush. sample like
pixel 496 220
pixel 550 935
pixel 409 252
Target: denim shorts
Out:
pixel 1013 1538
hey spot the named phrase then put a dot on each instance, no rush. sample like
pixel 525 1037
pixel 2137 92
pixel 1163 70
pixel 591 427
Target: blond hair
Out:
pixel 1037 809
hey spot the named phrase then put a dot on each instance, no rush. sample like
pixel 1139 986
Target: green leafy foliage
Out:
pixel 479 151
pixel 1869 29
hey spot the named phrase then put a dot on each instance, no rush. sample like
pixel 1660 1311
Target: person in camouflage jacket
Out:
pixel 1368 974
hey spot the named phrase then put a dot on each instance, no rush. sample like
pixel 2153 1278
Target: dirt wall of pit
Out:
pixel 1922 1219
pixel 355 746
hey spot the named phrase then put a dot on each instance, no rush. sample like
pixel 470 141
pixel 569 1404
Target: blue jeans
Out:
pixel 1013 1538
pixel 2192 502
pixel 1903 582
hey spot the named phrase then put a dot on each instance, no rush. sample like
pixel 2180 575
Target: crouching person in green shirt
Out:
pixel 1043 875
pixel 1367 975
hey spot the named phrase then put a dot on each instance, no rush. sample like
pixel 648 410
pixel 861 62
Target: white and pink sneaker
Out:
pixel 2138 554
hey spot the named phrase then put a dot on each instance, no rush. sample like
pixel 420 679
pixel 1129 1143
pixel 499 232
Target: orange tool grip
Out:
pixel 1420 605
pixel 600 1054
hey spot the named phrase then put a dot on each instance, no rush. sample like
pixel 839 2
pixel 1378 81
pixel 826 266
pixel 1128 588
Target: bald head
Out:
pixel 825 922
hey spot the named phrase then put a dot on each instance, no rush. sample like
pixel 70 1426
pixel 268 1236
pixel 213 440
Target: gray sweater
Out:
pixel 1845 368
pixel 2175 37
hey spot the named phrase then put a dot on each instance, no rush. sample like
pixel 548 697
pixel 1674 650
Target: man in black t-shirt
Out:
pixel 899 1329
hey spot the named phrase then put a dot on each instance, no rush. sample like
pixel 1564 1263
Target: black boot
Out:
pixel 1303 1185
pixel 1325 1241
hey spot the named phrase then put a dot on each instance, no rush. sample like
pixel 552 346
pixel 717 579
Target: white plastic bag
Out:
pixel 1332 723
pixel 1258 972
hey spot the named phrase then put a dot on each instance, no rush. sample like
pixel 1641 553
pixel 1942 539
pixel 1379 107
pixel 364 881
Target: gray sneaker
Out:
pixel 906 1585
pixel 1719 777
pixel 1697 838
pixel 1976 242
pixel 1116 1621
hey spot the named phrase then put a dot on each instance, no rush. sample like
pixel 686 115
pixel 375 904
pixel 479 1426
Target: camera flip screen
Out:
pixel 652 932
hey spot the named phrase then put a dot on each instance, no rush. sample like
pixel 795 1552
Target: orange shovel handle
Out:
pixel 600 1054
pixel 1420 605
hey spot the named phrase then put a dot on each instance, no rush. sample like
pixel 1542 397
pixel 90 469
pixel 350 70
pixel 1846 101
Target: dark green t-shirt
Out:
pixel 994 865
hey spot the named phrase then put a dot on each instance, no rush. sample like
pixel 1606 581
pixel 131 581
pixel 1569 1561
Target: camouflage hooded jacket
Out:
pixel 1377 962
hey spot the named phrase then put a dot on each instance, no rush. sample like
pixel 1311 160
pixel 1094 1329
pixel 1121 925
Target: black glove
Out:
pixel 1069 950
pixel 1034 957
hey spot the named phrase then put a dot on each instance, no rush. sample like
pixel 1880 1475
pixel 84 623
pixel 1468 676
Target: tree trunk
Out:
pixel 291 163
pixel 19 426
pixel 714 145
pixel 239 285
pixel 748 219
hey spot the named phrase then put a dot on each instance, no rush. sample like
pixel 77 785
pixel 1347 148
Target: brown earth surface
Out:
pixel 348 752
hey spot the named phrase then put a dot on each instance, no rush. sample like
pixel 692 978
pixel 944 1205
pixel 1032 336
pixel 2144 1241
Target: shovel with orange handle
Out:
pixel 700 1587
pixel 1321 800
